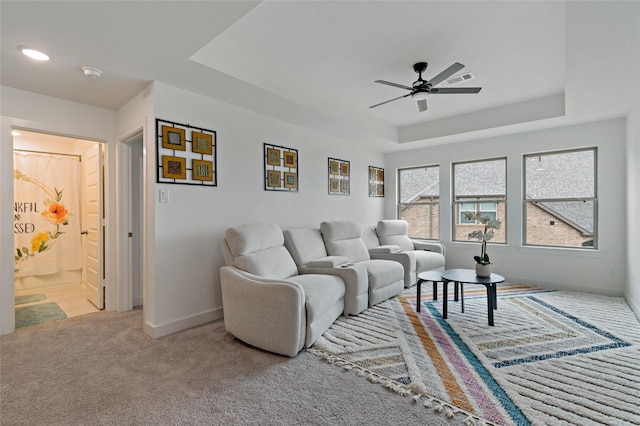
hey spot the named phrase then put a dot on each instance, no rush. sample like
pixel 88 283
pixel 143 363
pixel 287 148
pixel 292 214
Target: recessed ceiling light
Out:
pixel 92 72
pixel 15 133
pixel 33 54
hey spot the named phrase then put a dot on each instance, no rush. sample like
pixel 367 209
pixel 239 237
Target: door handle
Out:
pixel 83 233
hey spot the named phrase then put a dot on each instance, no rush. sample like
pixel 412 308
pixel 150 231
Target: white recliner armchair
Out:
pixel 429 255
pixel 267 304
pixel 310 254
pixel 344 238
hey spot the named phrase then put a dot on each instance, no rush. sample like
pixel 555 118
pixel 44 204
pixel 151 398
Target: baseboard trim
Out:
pixel 181 324
pixel 634 307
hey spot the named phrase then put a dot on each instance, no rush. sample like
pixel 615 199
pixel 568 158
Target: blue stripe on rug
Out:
pixel 616 342
pixel 514 412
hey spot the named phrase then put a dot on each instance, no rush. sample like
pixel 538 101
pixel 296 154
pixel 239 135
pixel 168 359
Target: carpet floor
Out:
pixel 551 358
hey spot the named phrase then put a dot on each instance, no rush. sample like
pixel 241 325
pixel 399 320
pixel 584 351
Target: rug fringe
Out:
pixel 441 407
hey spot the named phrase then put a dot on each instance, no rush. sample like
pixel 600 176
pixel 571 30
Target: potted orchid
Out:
pixel 483 268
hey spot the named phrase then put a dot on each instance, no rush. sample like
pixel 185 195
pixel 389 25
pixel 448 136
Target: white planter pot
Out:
pixel 483 271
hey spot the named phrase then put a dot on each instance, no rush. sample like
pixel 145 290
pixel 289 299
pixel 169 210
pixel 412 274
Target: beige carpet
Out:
pixel 101 369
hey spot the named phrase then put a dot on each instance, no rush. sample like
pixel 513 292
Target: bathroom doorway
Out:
pixel 58 227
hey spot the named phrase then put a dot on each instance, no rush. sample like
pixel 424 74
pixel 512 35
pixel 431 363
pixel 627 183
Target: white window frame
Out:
pixel 593 199
pixel 477 200
pixel 432 204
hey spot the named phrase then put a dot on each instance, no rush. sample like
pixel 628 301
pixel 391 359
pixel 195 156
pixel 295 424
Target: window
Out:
pixel 419 190
pixel 560 202
pixel 479 187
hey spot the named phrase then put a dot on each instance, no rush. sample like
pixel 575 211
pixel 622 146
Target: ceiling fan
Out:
pixel 421 88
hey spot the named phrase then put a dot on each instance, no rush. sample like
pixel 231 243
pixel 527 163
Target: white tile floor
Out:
pixel 72 300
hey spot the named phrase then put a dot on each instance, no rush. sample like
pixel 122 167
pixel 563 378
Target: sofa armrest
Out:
pixel 269 314
pixel 328 262
pixel 384 249
pixel 429 246
pixel 356 281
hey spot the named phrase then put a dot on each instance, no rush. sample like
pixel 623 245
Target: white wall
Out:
pixel 632 289
pixel 189 228
pixel 42 113
pixel 601 271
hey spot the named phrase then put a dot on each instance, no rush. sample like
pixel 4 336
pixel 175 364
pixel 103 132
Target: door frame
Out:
pixel 124 301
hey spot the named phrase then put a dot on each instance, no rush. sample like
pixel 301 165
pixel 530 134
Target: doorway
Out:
pixel 52 242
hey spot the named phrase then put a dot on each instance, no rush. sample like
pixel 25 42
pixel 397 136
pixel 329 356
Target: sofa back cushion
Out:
pixel 394 232
pixel 304 244
pixel 369 236
pixel 258 248
pixel 344 238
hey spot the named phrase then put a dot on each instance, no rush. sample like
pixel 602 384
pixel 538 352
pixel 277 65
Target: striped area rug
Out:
pixel 552 357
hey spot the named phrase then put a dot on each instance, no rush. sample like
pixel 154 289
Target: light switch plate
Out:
pixel 164 195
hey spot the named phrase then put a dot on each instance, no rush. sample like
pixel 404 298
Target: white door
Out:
pixel 93 220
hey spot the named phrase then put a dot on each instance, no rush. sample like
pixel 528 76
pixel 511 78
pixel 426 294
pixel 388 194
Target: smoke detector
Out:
pixel 92 72
pixel 459 78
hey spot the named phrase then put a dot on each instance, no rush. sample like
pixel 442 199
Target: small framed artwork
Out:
pixel 290 180
pixel 290 159
pixel 174 167
pixel 339 181
pixel 334 167
pixel 376 182
pixel 201 143
pixel 173 138
pixel 280 168
pixel 344 169
pixel 185 155
pixel 202 170
pixel 273 157
pixel 273 179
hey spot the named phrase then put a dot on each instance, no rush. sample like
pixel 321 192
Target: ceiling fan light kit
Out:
pixel 420 89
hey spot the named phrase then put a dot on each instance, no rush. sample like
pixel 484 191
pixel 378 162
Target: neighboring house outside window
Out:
pixel 560 199
pixel 419 189
pixel 480 187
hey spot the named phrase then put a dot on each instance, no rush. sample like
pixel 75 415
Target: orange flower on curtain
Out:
pixel 56 213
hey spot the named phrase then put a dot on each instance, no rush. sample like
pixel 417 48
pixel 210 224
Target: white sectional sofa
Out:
pixel 282 289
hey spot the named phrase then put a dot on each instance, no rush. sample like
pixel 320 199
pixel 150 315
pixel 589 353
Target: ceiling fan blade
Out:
pixel 446 73
pixel 390 100
pixel 449 90
pixel 388 83
pixel 422 105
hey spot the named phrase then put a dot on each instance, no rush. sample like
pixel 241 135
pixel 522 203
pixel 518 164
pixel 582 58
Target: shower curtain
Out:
pixel 47 213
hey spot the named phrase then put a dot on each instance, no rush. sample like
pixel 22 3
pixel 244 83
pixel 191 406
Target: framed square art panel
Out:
pixel 185 154
pixel 280 168
pixel 339 177
pixel 376 181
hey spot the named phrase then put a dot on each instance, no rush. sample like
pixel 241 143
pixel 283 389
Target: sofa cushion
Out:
pixel 258 249
pixel 274 263
pixel 383 272
pixel 369 236
pixel 427 260
pixel 343 238
pixel 394 232
pixel 304 244
pixel 245 239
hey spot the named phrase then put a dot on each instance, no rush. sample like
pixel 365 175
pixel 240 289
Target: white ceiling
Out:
pixel 314 63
